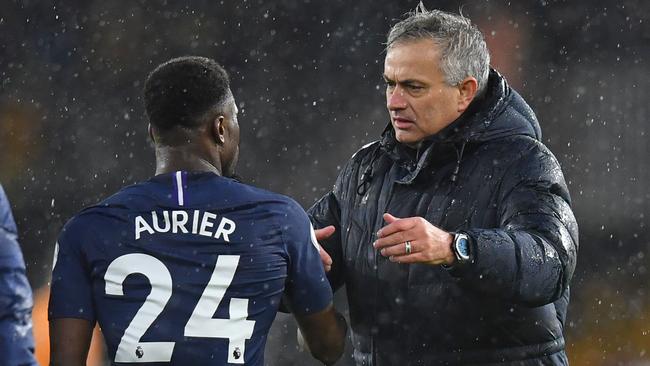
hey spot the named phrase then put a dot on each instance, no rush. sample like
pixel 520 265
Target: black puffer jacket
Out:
pixel 486 174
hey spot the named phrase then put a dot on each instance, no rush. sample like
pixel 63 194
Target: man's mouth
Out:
pixel 402 123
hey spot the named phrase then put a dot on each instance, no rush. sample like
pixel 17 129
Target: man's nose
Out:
pixel 396 99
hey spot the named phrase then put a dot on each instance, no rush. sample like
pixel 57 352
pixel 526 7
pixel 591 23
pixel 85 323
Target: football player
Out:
pixel 189 267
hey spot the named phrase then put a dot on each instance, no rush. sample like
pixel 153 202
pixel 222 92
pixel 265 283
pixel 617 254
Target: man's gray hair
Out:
pixel 463 49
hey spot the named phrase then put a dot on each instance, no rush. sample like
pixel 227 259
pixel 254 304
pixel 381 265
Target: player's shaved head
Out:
pixel 181 91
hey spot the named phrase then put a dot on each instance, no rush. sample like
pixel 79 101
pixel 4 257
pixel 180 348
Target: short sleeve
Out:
pixel 71 289
pixel 308 289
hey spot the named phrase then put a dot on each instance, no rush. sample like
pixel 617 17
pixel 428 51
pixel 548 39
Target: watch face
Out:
pixel 462 247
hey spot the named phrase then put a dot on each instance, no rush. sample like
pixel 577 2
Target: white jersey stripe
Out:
pixel 179 186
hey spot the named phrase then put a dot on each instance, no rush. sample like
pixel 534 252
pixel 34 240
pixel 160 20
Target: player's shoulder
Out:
pixel 92 216
pixel 272 200
pixel 127 196
pixel 288 213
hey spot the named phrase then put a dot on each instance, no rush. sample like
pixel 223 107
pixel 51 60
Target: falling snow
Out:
pixel 307 79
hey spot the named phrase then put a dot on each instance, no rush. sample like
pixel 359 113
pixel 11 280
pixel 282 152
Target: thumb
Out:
pixel 390 218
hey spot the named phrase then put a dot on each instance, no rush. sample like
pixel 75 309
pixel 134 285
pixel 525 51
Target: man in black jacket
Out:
pixel 454 232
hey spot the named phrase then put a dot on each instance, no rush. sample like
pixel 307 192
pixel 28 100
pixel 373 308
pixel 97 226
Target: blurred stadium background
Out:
pixel 307 78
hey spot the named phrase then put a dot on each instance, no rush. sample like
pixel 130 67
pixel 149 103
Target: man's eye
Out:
pixel 415 87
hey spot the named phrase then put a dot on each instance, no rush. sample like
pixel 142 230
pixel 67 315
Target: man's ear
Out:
pixel 219 130
pixel 151 134
pixel 467 91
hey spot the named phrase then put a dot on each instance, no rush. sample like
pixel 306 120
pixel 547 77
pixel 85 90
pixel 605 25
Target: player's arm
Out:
pixel 71 309
pixel 324 333
pixel 309 295
pixel 69 341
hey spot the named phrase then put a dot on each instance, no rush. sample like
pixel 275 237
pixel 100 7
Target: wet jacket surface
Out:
pixel 16 340
pixel 486 174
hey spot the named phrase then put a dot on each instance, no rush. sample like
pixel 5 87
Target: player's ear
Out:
pixel 219 129
pixel 151 135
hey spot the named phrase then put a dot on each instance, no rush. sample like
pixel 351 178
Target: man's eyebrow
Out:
pixel 410 81
pixel 402 82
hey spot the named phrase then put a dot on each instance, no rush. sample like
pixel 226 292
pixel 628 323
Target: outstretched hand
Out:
pixel 414 240
pixel 322 234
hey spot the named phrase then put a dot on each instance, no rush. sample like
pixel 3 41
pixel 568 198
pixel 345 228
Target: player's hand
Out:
pixel 322 234
pixel 428 243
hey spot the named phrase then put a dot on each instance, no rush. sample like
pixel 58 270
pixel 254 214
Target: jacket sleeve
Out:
pixel 530 258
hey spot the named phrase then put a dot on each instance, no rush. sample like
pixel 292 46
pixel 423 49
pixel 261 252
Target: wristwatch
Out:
pixel 460 247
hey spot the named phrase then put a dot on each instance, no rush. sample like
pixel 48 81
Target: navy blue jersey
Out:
pixel 187 269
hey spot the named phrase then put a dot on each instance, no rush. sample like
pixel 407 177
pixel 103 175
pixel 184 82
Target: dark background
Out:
pixel 307 78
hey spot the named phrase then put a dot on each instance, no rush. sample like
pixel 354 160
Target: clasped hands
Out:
pixel 404 240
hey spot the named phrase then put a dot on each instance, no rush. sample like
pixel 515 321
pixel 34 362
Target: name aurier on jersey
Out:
pixel 178 221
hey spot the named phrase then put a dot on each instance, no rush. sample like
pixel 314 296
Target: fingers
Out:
pixel 398 238
pixel 422 251
pixel 326 259
pixel 395 224
pixel 397 249
pixel 419 253
pixel 428 243
pixel 390 218
pixel 324 233
pixel 394 233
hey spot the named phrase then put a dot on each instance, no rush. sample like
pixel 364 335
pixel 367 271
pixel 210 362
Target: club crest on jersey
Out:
pixel 183 222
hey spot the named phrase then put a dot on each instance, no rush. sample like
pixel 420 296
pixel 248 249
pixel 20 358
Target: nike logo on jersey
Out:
pixel 184 222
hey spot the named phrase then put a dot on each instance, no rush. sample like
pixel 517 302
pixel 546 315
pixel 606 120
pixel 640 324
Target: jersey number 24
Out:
pixel 201 324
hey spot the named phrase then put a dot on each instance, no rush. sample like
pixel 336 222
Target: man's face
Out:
pixel 418 99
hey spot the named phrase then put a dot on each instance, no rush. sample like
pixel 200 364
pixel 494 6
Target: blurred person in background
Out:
pixel 16 339
pixel 188 268
pixel 455 236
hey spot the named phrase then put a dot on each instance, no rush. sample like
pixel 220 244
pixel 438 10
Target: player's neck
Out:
pixel 171 159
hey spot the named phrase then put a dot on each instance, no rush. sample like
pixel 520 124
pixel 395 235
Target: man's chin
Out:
pixel 406 139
